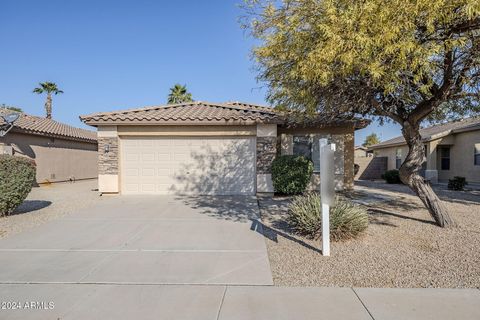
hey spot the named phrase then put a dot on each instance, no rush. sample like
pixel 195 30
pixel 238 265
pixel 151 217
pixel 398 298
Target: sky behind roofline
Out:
pixel 108 55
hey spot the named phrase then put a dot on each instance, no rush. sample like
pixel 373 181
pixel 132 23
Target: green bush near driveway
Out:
pixel 17 176
pixel 347 220
pixel 392 176
pixel 291 174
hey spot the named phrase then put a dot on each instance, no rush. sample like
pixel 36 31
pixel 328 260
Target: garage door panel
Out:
pixel 188 165
pixel 163 157
pixel 131 188
pixel 133 172
pixel 146 143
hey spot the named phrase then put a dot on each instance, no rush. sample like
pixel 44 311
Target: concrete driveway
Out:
pixel 144 240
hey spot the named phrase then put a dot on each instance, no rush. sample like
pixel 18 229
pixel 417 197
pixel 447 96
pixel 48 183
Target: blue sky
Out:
pixel 108 55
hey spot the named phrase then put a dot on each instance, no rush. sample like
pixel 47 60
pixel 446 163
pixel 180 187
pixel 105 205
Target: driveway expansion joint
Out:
pixel 363 304
pixel 221 302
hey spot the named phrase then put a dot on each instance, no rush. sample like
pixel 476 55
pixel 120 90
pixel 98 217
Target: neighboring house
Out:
pixel 361 151
pixel 61 152
pixel 368 167
pixel 452 149
pixel 209 148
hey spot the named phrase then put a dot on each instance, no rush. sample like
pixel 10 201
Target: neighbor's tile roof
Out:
pixel 197 112
pixel 43 126
pixel 435 132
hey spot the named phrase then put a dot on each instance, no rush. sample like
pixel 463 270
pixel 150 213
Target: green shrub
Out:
pixel 392 176
pixel 457 183
pixel 17 176
pixel 347 220
pixel 291 174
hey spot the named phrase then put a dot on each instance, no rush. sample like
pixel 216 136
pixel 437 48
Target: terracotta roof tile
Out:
pixel 43 126
pixel 187 112
pixel 199 112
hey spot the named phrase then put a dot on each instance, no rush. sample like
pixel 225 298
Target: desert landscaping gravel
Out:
pixel 401 247
pixel 49 202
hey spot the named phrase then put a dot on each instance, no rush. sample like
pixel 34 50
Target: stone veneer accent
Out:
pixel 266 152
pixel 108 161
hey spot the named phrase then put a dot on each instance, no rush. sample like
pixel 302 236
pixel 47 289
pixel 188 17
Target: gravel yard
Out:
pixel 401 247
pixel 49 202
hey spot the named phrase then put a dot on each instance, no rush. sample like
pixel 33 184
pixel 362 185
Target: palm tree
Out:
pixel 49 88
pixel 179 94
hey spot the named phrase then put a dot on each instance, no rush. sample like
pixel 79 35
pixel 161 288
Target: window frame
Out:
pixel 476 154
pixel 443 157
pixel 310 145
pixel 312 141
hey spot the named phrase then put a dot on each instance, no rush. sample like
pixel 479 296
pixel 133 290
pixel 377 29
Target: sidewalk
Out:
pixel 110 301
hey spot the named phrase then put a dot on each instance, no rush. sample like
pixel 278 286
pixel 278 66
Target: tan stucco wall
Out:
pixel 57 159
pixel 461 156
pixel 391 153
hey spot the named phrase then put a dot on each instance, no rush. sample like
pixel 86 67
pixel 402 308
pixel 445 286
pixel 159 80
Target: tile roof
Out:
pixel 435 132
pixel 191 112
pixel 197 112
pixel 48 127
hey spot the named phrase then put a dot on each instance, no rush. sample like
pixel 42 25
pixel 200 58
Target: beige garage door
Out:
pixel 188 165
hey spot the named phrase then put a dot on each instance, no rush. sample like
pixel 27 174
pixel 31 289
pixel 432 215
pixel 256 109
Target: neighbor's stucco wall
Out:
pixel 360 153
pixel 391 153
pixel 56 159
pixel 461 156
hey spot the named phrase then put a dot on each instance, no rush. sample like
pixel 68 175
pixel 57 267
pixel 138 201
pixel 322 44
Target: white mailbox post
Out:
pixel 327 190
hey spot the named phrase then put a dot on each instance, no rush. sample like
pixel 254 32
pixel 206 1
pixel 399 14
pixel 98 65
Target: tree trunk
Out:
pixel 48 106
pixel 410 175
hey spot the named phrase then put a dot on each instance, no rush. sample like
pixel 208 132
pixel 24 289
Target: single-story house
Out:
pixel 452 149
pixel 61 152
pixel 209 148
pixel 361 151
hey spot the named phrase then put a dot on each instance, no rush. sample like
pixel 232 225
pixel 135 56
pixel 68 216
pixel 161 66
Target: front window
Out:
pixel 476 160
pixel 308 147
pixel 445 158
pixel 398 158
pixel 302 146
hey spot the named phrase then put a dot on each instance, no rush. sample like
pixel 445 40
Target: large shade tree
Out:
pixel 179 94
pixel 49 88
pixel 406 61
